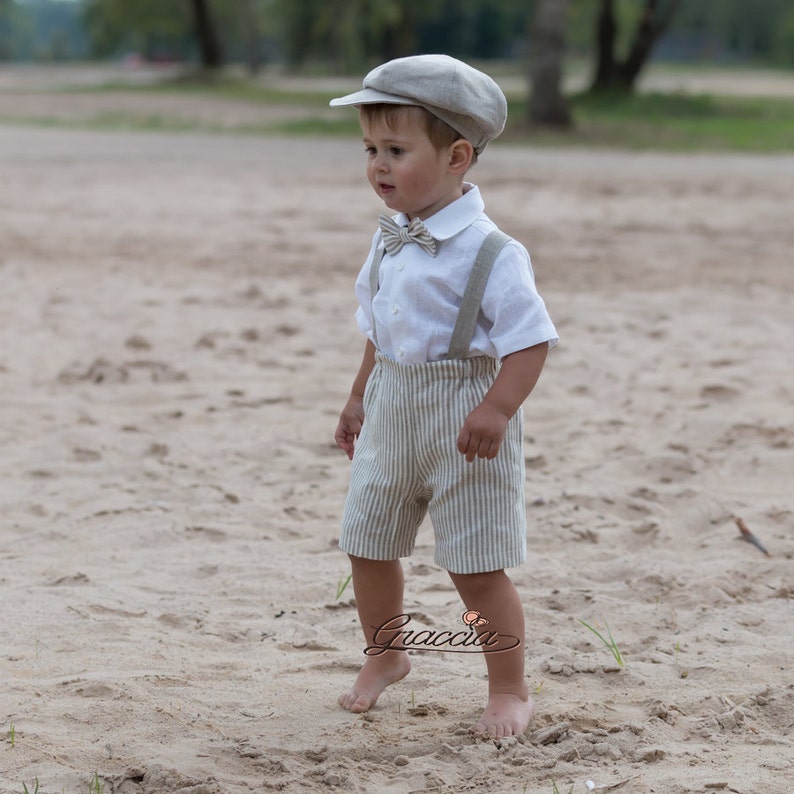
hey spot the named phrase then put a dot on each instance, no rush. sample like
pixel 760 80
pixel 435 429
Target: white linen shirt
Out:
pixel 416 306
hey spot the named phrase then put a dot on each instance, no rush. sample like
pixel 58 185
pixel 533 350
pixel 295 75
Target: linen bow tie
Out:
pixel 396 236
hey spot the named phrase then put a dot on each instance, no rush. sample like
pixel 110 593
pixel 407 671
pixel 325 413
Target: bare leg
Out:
pixel 509 708
pixel 378 585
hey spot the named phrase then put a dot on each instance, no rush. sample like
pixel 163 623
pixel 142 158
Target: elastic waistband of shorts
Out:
pixel 433 371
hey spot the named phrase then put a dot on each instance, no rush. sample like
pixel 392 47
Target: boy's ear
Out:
pixel 461 154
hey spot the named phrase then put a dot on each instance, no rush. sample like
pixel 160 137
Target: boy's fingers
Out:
pixel 463 441
pixel 473 450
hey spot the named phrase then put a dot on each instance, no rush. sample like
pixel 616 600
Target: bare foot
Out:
pixel 504 715
pixel 376 674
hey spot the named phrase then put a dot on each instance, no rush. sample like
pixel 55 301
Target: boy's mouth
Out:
pixel 384 188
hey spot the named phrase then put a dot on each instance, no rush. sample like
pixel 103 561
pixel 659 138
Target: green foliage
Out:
pixel 96 786
pixel 44 30
pixel 342 584
pixel 731 28
pixel 155 29
pixel 783 40
pixel 610 644
pixel 350 35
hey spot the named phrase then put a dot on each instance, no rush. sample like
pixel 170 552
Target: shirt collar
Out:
pixel 455 217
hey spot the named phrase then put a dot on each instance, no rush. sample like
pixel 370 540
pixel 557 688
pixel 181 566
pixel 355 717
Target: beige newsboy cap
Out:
pixel 462 96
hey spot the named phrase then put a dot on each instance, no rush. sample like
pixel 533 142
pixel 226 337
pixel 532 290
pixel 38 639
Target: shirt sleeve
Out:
pixel 512 306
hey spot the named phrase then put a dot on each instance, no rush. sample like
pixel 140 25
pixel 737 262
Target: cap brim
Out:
pixel 369 96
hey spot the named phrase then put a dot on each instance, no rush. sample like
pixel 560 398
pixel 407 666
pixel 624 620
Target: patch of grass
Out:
pixel 156 122
pixel 314 125
pixel 96 786
pixel 110 122
pixel 610 644
pixel 130 121
pixel 342 584
pixel 673 122
pixel 215 87
pixel 35 790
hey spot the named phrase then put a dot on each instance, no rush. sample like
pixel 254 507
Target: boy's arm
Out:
pixel 485 427
pixel 352 417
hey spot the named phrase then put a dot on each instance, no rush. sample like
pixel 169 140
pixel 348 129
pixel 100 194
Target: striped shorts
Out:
pixel 407 465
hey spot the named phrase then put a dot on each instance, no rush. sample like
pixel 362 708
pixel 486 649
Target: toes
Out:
pixel 497 731
pixel 348 700
pixel 360 704
pixel 479 730
pixel 354 702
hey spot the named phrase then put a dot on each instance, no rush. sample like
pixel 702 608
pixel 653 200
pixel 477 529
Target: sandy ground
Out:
pixel 177 341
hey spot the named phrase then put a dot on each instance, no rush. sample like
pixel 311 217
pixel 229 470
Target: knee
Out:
pixel 474 583
pixel 359 563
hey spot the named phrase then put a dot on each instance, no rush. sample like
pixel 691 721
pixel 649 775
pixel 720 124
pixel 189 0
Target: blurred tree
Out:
pixel 547 105
pixel 783 43
pixel 41 30
pixel 349 33
pixel 612 74
pixel 207 35
pixel 731 29
pixel 6 29
pixel 353 34
pixel 253 37
pixel 156 30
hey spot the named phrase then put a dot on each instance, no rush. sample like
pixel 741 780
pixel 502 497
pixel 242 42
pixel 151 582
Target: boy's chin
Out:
pixel 394 209
pixel 392 203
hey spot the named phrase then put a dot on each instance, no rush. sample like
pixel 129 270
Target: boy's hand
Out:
pixel 482 432
pixel 350 421
pixel 485 427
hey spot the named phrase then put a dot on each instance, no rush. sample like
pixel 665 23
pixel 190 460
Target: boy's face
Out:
pixel 405 169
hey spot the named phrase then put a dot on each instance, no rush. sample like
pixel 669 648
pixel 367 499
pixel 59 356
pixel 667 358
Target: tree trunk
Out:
pixel 606 30
pixel 253 40
pixel 651 26
pixel 614 75
pixel 547 105
pixel 207 35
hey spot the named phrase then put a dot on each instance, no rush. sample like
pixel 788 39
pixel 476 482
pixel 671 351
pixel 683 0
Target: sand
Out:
pixel 177 342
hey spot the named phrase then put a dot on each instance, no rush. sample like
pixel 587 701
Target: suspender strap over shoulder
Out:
pixel 472 297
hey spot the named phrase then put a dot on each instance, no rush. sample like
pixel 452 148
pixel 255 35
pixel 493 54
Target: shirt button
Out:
pixel 401 266
pixel 395 309
pixel 400 351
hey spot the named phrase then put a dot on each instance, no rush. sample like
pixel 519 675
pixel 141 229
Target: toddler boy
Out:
pixel 457 336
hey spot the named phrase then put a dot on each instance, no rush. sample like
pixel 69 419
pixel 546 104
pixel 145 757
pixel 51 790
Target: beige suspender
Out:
pixel 469 310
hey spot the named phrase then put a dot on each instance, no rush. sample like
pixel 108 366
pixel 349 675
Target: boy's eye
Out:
pixel 370 150
pixel 395 151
